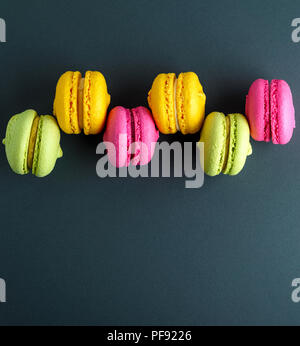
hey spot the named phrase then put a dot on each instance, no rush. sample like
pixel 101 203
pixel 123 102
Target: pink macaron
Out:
pixel 130 136
pixel 270 111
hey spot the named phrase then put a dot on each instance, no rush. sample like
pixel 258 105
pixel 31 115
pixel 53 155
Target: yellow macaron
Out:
pixel 177 104
pixel 81 103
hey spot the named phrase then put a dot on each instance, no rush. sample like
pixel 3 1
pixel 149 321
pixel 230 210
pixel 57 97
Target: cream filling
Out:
pixel 175 105
pixel 226 149
pixel 80 103
pixel 32 141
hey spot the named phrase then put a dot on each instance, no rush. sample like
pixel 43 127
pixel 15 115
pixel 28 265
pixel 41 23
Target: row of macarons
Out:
pixel 32 142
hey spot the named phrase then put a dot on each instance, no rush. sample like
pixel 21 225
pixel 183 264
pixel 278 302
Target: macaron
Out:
pixel 32 142
pixel 270 111
pixel 81 103
pixel 177 104
pixel 226 143
pixel 133 136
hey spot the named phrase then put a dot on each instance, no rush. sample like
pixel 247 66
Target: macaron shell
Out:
pixel 161 102
pixel 146 136
pixel 95 102
pixel 66 103
pixel 257 110
pixel 47 147
pixel 190 103
pixel 213 135
pixel 239 144
pixel 118 133
pixel 17 140
pixel 282 112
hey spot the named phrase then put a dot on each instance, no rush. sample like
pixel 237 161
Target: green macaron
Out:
pixel 32 142
pixel 226 143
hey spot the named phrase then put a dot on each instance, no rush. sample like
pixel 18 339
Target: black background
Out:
pixel 77 249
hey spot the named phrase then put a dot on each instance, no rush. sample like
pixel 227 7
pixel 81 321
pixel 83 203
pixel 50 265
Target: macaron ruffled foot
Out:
pixel 32 142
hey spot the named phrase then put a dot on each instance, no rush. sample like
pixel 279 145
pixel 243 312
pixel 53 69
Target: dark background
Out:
pixel 77 249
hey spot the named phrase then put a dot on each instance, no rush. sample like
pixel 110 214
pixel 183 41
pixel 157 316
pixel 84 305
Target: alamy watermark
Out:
pixel 2 291
pixel 296 32
pixel 175 159
pixel 2 30
pixel 296 291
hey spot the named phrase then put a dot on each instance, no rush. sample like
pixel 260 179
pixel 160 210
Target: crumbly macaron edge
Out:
pixel 232 144
pixel 169 94
pixel 36 157
pixel 267 111
pixel 274 110
pixel 73 111
pixel 32 141
pixel 87 102
pixel 223 150
pixel 180 102
pixel 138 135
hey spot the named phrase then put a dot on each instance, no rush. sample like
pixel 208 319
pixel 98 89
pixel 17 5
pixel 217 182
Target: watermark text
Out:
pixel 167 160
pixel 296 291
pixel 2 30
pixel 2 291
pixel 296 32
